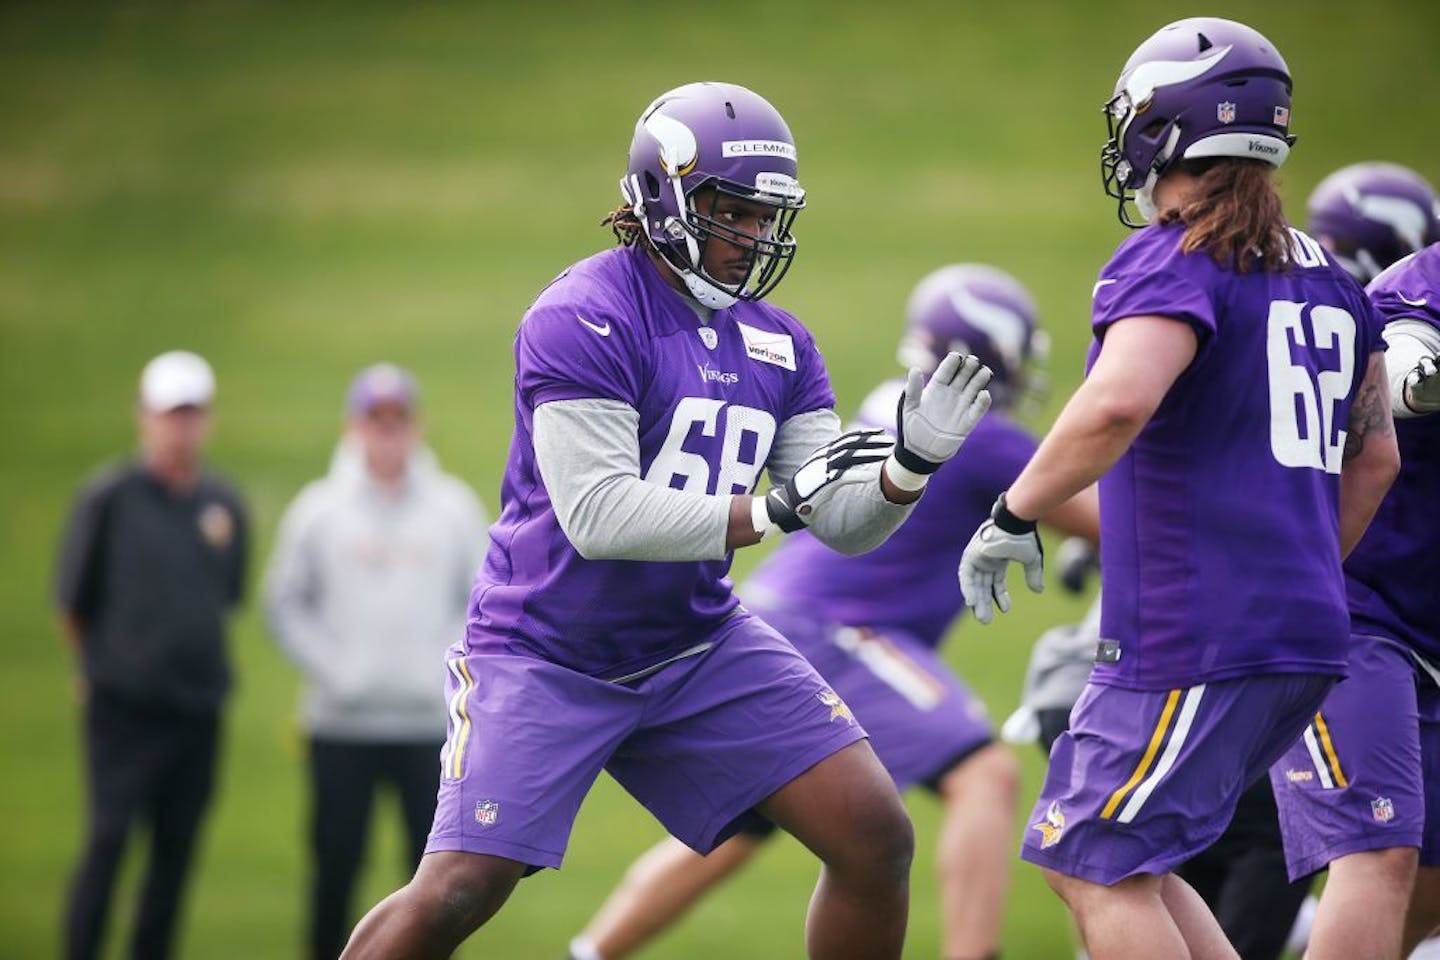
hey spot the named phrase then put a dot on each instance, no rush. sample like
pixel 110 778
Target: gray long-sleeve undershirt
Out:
pixel 588 453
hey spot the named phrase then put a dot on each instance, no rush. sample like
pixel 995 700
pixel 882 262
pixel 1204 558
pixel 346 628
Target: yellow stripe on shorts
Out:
pixel 1156 739
pixel 1332 759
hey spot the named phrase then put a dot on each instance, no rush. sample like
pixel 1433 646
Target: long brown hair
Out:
pixel 624 224
pixel 1234 214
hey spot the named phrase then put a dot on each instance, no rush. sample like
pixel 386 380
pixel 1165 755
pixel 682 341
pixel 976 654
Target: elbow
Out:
pixel 1123 413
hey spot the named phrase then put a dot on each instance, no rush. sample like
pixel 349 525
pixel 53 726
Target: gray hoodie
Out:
pixel 365 591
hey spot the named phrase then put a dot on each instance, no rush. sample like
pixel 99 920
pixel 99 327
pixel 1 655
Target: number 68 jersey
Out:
pixel 1220 547
pixel 711 399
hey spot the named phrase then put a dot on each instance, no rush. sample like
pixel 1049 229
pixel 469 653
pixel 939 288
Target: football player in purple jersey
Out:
pixel 872 625
pixel 1368 215
pixel 1237 407
pixel 653 386
pixel 1360 792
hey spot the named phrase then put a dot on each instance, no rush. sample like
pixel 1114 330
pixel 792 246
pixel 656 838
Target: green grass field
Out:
pixel 296 190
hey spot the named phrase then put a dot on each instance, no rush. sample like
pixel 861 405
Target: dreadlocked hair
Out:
pixel 624 224
pixel 1234 214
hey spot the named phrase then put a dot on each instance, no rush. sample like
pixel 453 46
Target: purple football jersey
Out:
pixel 1393 575
pixel 710 401
pixel 908 582
pixel 1220 524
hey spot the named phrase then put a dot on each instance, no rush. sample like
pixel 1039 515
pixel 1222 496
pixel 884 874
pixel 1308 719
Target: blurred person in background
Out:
pixel 1236 404
pixel 653 388
pixel 1371 214
pixel 873 624
pixel 153 560
pixel 366 588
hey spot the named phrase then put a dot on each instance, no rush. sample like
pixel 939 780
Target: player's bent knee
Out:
pixel 1393 866
pixel 464 889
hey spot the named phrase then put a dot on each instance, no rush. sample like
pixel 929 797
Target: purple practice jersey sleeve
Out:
pixel 1392 577
pixel 1220 523
pixel 1145 278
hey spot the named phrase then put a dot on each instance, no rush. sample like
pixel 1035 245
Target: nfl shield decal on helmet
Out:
pixel 709 337
pixel 1225 112
pixel 1382 809
pixel 487 812
pixel 1052 827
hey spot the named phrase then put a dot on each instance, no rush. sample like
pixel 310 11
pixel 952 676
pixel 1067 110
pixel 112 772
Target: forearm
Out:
pixel 1362 489
pixel 862 514
pixel 1088 437
pixel 588 454
pixel 1409 342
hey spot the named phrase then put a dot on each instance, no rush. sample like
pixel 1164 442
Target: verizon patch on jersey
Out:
pixel 767 347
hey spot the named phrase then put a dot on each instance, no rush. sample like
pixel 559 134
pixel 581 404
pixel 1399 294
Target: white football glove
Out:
pixel 1422 387
pixel 935 418
pixel 1001 539
pixel 792 505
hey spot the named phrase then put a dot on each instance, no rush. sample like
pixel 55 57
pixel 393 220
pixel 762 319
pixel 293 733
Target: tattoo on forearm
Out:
pixel 1370 413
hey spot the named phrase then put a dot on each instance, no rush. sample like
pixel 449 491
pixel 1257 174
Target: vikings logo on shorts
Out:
pixel 1382 809
pixel 838 709
pixel 487 812
pixel 1052 827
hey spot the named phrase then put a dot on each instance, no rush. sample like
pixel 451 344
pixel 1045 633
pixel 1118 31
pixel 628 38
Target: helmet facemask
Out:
pixel 769 254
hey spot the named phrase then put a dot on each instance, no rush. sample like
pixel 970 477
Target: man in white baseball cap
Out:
pixel 152 562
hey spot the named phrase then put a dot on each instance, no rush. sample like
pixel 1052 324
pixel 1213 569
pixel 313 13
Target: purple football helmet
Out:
pixel 722 136
pixel 1371 214
pixel 1202 87
pixel 981 310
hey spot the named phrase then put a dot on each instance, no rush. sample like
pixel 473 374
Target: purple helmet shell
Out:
pixel 721 136
pixel 976 309
pixel 1202 87
pixel 1371 214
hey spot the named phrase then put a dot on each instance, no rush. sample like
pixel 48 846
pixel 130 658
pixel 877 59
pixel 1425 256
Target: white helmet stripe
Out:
pixel 1005 328
pixel 1162 73
pixel 1407 219
pixel 678 147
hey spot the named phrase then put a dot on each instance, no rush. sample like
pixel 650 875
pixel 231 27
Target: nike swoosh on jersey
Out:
pixel 603 331
pixel 1413 303
pixel 1098 285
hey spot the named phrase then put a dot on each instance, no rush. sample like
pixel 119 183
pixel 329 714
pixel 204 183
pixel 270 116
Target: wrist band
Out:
pixel 903 477
pixel 760 518
pixel 1007 521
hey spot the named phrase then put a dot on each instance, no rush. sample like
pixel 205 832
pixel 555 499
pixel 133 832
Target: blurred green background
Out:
pixel 296 190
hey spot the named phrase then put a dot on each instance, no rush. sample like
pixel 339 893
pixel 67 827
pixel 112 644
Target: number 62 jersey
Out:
pixel 1220 524
pixel 711 399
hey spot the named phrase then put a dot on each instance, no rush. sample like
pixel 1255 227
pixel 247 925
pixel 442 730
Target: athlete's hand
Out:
pixel 1001 539
pixel 935 418
pixel 1422 387
pixel 791 506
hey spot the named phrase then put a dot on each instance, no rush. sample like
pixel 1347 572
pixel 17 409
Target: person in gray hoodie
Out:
pixel 367 586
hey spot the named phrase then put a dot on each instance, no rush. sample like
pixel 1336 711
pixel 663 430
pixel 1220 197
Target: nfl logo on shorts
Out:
pixel 1225 112
pixel 487 812
pixel 1382 809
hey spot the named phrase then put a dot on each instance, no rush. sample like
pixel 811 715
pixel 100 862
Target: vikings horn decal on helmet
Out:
pixel 980 310
pixel 1371 214
pixel 1202 87
pixel 723 137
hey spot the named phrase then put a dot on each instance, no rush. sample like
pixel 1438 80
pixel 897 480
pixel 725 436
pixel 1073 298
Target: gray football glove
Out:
pixel 1422 387
pixel 791 506
pixel 1001 539
pixel 935 418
